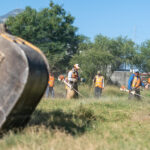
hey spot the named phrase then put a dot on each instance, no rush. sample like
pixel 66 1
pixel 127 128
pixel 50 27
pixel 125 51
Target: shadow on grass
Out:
pixel 74 123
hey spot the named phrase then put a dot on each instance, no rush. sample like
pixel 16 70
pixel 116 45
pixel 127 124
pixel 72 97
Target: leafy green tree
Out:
pixel 123 50
pixel 142 59
pixel 84 45
pixel 91 61
pixel 51 29
pixel 104 54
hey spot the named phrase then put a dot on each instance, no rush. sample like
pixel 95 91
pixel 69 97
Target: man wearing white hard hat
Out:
pixel 73 78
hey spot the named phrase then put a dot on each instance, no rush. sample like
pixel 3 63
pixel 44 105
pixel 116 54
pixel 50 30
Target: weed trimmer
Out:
pixel 61 78
pixel 123 88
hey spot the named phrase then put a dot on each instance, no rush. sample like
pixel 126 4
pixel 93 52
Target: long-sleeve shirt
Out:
pixel 70 78
pixel 130 82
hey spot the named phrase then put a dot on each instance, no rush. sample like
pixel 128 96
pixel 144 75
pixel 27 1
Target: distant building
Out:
pixel 127 67
pixel 121 75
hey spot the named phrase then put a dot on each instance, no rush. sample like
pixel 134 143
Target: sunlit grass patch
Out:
pixel 109 123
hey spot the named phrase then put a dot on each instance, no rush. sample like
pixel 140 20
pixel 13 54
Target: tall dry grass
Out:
pixel 110 123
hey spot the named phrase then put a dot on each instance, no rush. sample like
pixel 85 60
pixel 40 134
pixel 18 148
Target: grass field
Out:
pixel 110 123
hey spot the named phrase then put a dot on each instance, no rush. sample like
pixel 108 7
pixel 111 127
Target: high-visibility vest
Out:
pixel 148 80
pixel 99 81
pixel 51 81
pixel 74 74
pixel 136 82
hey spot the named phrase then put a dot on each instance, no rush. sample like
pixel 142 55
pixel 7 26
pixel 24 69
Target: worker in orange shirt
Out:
pixel 148 83
pixel 50 88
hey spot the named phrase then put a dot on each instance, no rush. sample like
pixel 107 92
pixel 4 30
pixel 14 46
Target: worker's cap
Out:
pixel 76 66
pixel 98 72
pixel 137 72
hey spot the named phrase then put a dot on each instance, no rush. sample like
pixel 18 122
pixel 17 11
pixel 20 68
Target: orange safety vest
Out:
pixel 74 74
pixel 99 81
pixel 148 80
pixel 51 81
pixel 136 82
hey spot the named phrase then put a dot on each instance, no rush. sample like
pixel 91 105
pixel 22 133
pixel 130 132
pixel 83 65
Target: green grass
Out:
pixel 110 123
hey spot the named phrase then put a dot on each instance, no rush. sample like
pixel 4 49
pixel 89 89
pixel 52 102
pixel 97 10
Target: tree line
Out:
pixel 52 30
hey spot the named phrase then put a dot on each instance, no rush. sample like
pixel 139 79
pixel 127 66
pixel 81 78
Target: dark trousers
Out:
pixel 50 90
pixel 98 92
pixel 136 95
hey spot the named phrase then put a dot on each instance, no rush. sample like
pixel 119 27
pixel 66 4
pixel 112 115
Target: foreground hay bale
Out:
pixel 23 80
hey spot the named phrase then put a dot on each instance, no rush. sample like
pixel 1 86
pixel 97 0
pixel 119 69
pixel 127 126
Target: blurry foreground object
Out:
pixel 23 80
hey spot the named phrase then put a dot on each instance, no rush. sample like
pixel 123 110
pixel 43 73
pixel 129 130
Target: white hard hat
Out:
pixel 76 66
pixel 98 72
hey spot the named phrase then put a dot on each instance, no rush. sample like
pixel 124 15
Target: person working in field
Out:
pixel 99 84
pixel 148 83
pixel 73 78
pixel 134 84
pixel 50 88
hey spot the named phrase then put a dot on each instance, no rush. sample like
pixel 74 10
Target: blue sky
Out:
pixel 111 18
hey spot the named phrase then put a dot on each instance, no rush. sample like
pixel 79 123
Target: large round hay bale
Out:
pixel 23 80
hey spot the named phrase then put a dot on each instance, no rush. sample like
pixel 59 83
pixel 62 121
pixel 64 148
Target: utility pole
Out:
pixel 134 33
